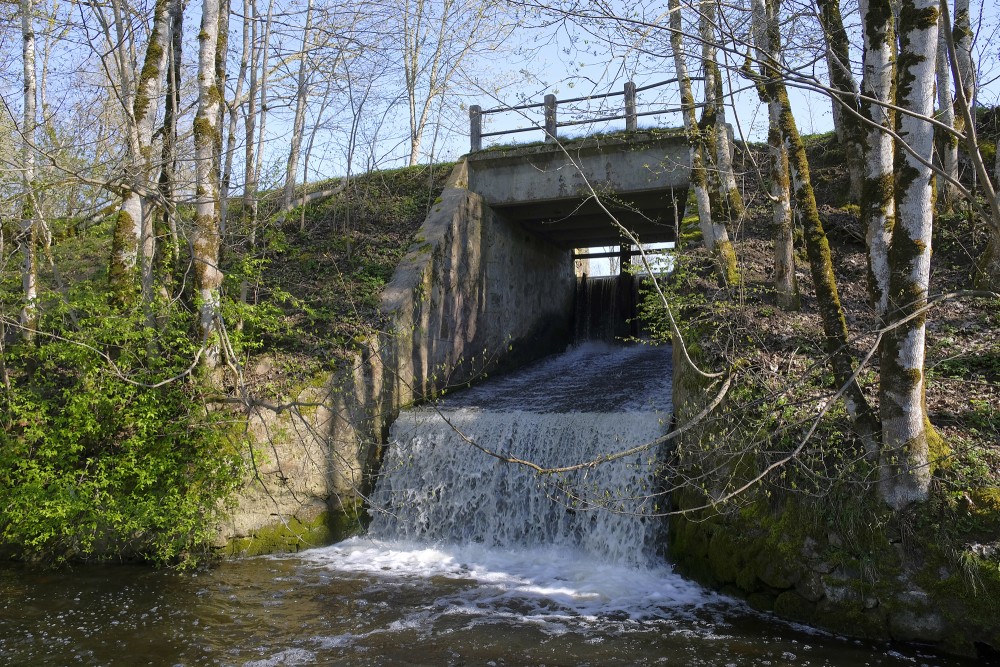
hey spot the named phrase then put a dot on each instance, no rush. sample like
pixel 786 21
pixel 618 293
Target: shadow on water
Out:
pixel 304 611
pixel 510 573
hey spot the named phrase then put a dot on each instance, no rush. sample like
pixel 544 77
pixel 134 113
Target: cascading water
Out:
pixel 606 307
pixel 568 545
pixel 597 311
pixel 438 485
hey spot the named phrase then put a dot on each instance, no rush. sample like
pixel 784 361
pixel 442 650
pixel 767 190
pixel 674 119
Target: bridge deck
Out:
pixel 569 193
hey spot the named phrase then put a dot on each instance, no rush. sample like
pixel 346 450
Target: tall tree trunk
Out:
pixel 221 60
pixel 132 241
pixel 249 209
pixel 947 142
pixel 262 126
pixel 714 236
pixel 767 35
pixel 207 275
pixel 27 237
pixel 167 250
pixel 724 156
pixel 713 122
pixel 904 466
pixel 233 108
pixel 848 129
pixel 299 123
pixel 878 206
pixel 990 265
pixel 962 34
pixel 786 285
pixel 818 249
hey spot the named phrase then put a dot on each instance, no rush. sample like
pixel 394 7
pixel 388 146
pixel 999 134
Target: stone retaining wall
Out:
pixel 474 294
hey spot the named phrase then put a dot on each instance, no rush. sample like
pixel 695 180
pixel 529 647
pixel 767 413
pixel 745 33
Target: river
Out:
pixel 469 561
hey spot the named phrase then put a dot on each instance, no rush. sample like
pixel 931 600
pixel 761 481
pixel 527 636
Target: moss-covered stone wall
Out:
pixel 841 560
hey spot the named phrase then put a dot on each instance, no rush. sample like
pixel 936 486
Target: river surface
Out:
pixel 469 560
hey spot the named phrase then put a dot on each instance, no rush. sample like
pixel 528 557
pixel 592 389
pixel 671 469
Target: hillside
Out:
pixel 111 448
pixel 322 269
pixel 801 530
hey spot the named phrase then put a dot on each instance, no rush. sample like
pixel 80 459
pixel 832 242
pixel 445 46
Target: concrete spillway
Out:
pixel 484 287
pixel 443 479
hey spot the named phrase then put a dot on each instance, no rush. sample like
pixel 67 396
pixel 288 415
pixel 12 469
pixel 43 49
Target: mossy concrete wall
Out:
pixel 474 294
pixel 843 562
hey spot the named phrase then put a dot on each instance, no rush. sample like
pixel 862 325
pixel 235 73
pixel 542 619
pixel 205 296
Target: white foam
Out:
pixel 291 656
pixel 540 548
pixel 436 486
pixel 336 641
pixel 541 583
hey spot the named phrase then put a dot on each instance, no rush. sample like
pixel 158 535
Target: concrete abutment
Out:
pixel 475 294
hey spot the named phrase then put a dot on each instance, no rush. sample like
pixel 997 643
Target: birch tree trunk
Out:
pixel 878 206
pixel 714 236
pixel 221 61
pixel 987 273
pixel 786 285
pixel 298 125
pixel 27 236
pixel 133 227
pixel 767 36
pixel 714 119
pixel 904 465
pixel 249 209
pixel 233 108
pixel 846 125
pixel 207 276
pixel 262 126
pixel 962 34
pixel 818 248
pixel 725 148
pixel 947 143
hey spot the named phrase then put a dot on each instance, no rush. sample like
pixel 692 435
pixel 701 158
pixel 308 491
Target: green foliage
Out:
pixel 984 364
pixel 691 306
pixel 259 317
pixel 93 461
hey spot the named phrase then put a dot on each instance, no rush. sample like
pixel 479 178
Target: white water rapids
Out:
pixel 579 544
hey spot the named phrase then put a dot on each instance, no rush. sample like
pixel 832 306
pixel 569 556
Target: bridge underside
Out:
pixel 584 223
pixel 641 179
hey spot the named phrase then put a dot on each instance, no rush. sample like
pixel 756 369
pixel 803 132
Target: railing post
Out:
pixel 475 128
pixel 550 118
pixel 631 120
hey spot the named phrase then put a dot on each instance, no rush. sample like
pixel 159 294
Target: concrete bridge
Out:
pixel 488 284
pixel 564 192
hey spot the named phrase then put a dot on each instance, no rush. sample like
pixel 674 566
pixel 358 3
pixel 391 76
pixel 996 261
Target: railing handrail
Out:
pixel 551 126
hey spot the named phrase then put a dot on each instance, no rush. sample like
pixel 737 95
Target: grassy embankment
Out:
pixel 102 459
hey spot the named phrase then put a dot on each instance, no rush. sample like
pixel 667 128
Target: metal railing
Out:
pixel 552 124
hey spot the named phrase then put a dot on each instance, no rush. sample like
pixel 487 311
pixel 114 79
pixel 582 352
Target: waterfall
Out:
pixel 436 486
pixel 606 308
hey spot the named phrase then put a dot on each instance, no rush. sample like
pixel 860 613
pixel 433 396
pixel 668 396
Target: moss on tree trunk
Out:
pixel 821 265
